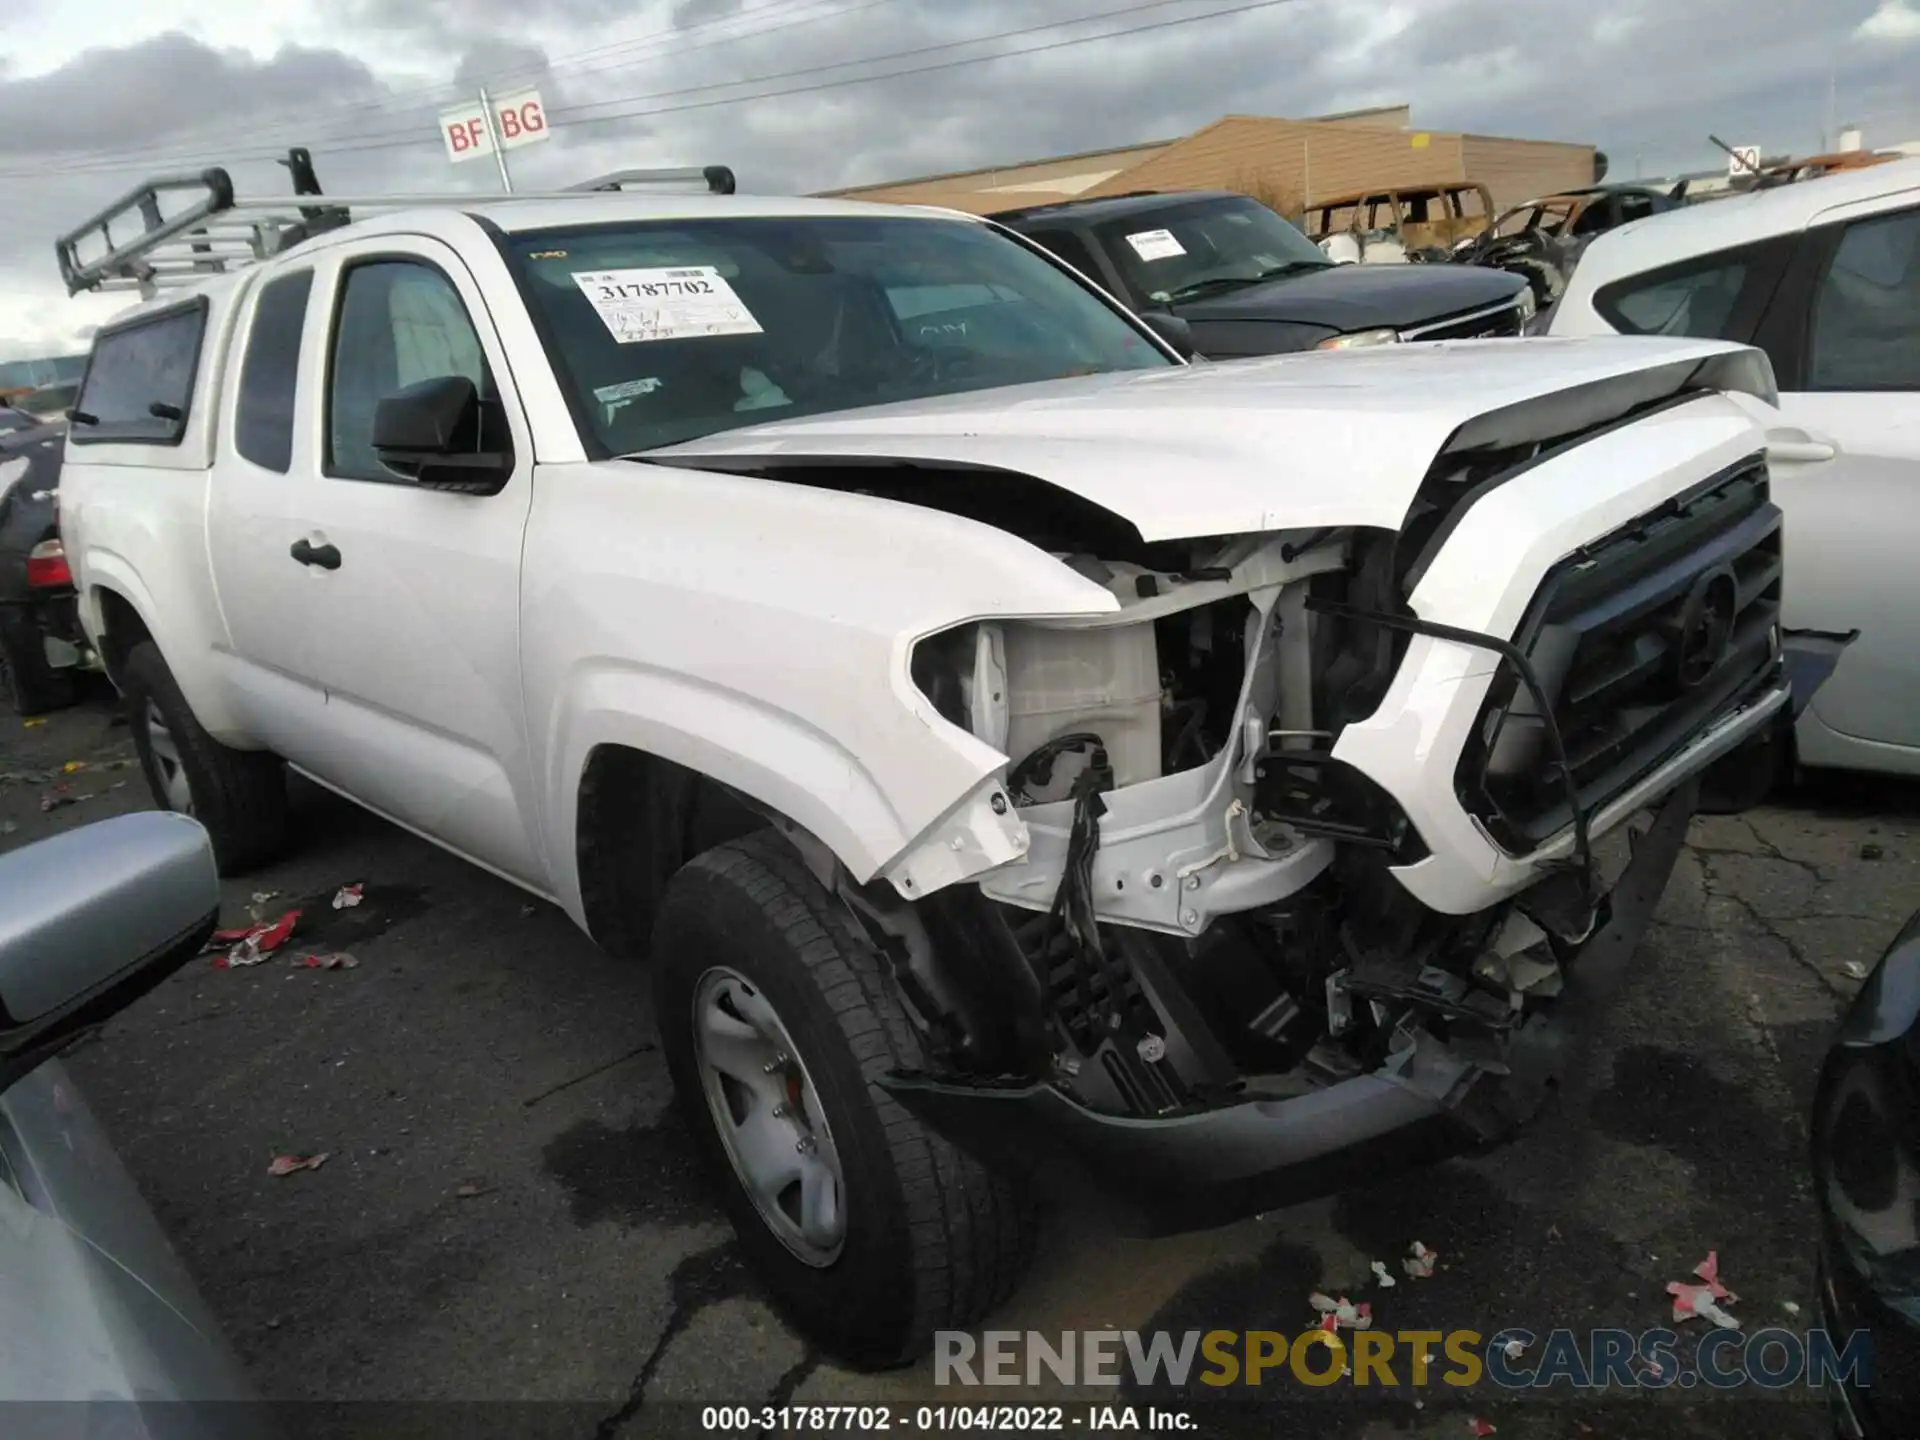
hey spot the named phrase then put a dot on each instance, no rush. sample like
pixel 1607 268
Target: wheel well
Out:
pixel 640 819
pixel 121 630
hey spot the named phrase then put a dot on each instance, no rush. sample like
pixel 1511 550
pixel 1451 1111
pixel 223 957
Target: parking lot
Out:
pixel 509 1212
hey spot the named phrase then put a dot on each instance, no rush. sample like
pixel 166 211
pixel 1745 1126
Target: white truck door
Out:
pixel 395 606
pixel 255 502
pixel 1848 479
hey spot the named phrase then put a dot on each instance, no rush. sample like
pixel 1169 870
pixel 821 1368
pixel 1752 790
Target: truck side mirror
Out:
pixel 433 433
pixel 93 919
pixel 1172 329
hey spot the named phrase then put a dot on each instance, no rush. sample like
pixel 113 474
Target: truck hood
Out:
pixel 1345 298
pixel 1276 443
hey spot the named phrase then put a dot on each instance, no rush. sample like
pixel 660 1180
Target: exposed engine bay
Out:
pixel 1207 898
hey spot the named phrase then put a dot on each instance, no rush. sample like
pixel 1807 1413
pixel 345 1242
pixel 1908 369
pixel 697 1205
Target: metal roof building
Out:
pixel 1286 163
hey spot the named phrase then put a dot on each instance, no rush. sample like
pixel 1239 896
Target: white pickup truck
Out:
pixel 1023 755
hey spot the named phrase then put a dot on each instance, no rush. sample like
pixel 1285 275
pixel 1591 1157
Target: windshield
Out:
pixel 1207 247
pixel 1550 217
pixel 667 331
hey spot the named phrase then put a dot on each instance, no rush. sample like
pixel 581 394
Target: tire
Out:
pixel 239 795
pixel 28 683
pixel 929 1239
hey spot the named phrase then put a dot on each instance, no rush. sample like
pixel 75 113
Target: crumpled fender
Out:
pixel 761 634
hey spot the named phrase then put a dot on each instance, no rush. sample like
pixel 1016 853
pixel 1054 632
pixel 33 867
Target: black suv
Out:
pixel 1249 283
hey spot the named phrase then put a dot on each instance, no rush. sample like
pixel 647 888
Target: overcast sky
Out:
pixel 187 83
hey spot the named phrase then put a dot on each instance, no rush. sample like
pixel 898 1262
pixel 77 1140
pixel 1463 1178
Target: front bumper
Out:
pixel 1208 1167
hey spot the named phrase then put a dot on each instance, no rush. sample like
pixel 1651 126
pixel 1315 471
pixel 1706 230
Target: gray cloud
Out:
pixel 703 12
pixel 462 17
pixel 130 98
pixel 497 60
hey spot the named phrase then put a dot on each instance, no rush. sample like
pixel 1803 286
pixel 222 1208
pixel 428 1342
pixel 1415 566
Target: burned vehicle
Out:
pixel 1007 744
pixel 1543 239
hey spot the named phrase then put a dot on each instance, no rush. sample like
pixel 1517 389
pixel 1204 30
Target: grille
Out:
pixel 1480 325
pixel 1638 641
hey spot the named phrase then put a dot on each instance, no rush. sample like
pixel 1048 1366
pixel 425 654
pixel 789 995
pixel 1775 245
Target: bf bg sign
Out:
pixel 518 119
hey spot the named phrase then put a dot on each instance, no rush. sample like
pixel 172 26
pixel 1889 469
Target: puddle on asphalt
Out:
pixel 640 1175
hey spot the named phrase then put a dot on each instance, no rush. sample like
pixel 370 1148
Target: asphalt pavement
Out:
pixel 511 1226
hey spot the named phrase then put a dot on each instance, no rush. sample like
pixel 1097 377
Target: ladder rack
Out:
pixel 216 232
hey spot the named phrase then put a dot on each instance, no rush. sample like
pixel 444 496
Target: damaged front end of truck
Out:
pixel 1335 837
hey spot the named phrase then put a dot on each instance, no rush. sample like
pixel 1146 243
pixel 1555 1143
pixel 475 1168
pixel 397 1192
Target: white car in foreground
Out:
pixel 1825 277
pixel 1013 747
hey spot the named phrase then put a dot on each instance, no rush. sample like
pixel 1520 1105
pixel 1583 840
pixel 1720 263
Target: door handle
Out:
pixel 1801 446
pixel 327 557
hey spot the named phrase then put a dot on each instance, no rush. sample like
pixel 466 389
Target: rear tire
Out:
pixel 28 683
pixel 239 795
pixel 927 1238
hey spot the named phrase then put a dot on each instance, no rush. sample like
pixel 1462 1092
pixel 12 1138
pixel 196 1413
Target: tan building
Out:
pixel 1286 163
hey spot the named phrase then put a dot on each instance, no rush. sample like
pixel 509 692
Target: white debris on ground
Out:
pixel 1420 1262
pixel 348 896
pixel 1343 1312
pixel 1379 1268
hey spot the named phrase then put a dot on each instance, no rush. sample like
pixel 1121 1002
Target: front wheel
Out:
pixel 239 795
pixel 870 1230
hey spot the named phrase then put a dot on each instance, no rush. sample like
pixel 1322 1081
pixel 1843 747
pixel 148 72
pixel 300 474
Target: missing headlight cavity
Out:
pixel 1157 694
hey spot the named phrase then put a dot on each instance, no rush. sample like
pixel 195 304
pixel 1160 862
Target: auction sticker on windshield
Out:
pixel 1156 245
pixel 665 304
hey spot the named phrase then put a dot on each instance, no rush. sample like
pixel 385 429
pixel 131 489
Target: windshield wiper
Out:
pixel 1211 285
pixel 1292 267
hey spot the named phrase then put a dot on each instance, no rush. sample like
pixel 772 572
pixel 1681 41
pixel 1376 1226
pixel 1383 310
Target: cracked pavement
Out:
pixel 512 1216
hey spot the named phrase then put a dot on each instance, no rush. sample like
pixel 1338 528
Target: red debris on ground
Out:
pixel 288 1164
pixel 1702 1301
pixel 335 961
pixel 257 942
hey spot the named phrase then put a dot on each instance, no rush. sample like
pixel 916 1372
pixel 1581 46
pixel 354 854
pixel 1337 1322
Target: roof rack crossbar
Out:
pixel 717 178
pixel 218 231
pixel 143 200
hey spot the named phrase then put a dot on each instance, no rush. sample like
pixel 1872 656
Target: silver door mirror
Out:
pixel 93 919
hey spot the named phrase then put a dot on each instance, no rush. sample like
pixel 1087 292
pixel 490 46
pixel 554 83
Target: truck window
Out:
pixel 139 384
pixel 263 419
pixel 1070 248
pixel 400 322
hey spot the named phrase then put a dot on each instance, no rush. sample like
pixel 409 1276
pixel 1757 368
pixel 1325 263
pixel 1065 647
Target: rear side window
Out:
pixel 263 419
pixel 1697 301
pixel 139 383
pixel 1866 313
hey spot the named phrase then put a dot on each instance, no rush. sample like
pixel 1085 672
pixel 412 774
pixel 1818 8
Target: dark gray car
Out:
pixel 1246 282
